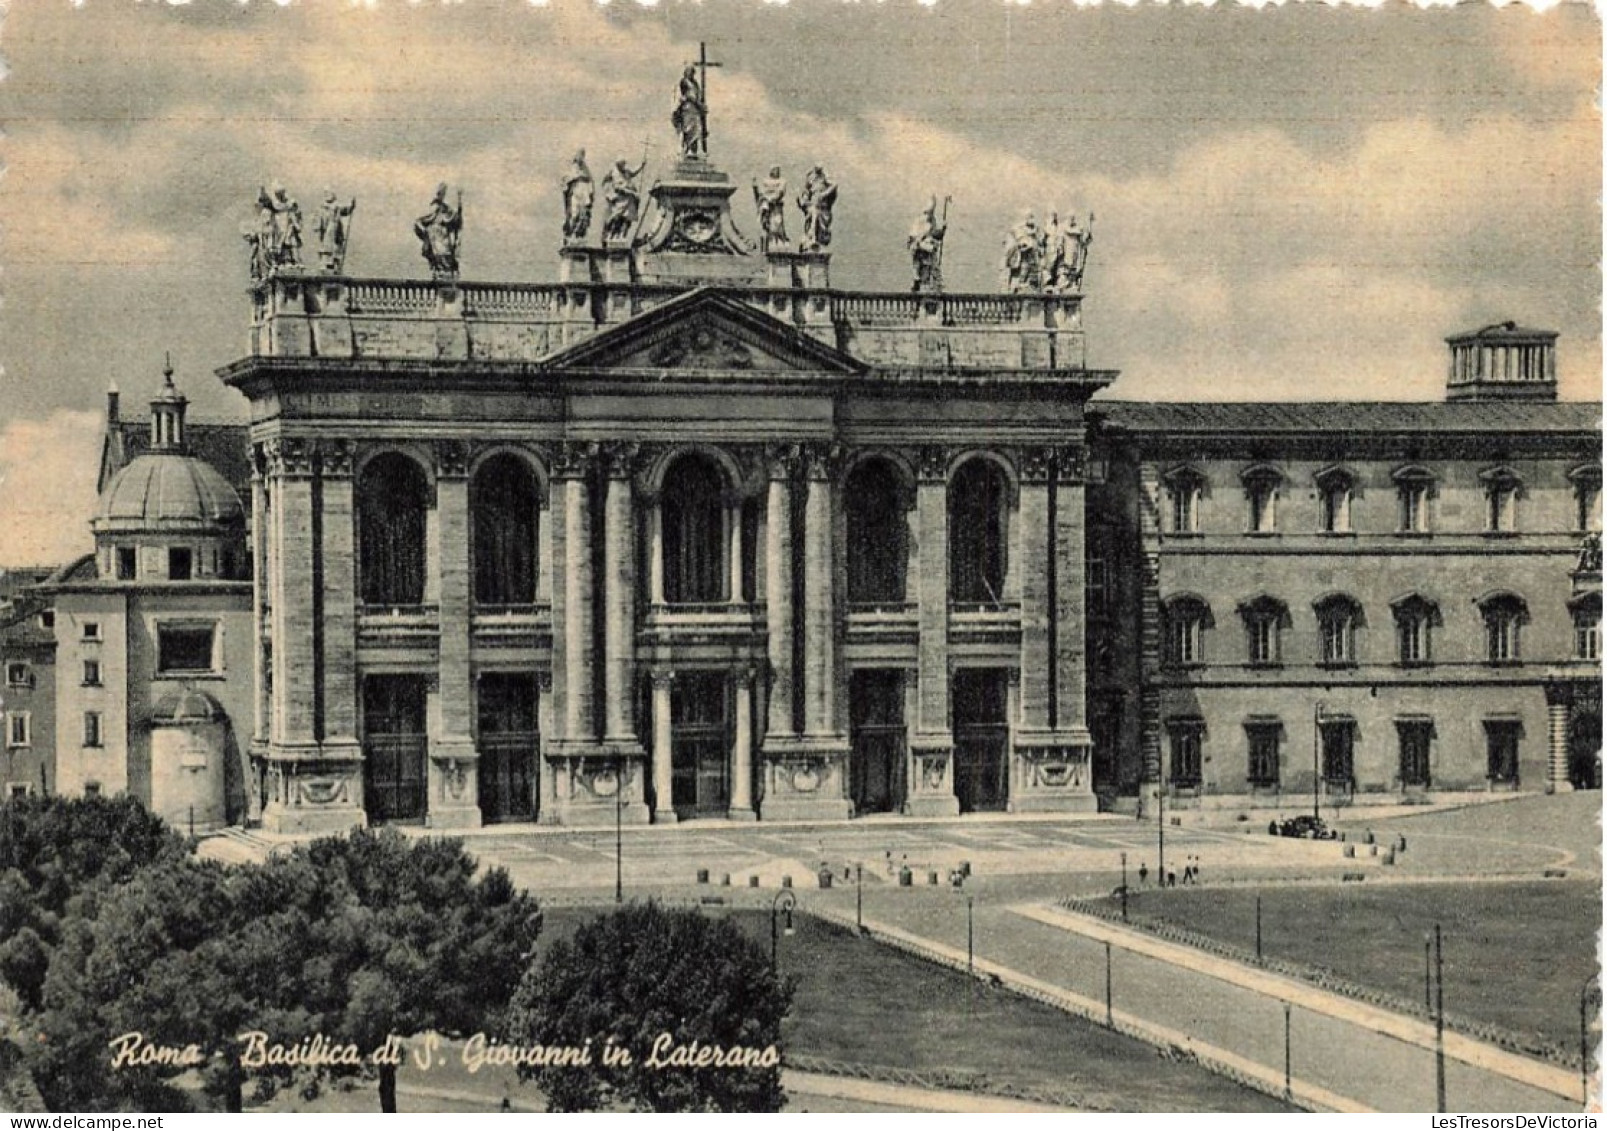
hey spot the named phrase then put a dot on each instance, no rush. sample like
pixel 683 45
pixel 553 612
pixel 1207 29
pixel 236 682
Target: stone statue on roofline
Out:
pixel 275 241
pixel 333 229
pixel 926 247
pixel 818 198
pixel 624 200
pixel 1023 259
pixel 1068 252
pixel 770 197
pixel 439 231
pixel 579 193
pixel 690 118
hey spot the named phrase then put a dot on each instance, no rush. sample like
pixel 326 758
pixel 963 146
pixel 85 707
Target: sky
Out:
pixel 1291 204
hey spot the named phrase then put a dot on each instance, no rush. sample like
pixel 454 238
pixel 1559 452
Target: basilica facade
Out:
pixel 692 533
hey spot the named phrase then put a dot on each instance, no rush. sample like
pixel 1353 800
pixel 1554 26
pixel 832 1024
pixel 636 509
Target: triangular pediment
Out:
pixel 707 331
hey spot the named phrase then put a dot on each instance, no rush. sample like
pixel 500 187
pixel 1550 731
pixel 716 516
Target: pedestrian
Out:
pixel 1171 877
pixel 1196 869
pixel 1143 872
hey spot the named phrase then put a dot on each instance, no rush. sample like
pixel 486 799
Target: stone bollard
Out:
pixel 725 880
pixel 1350 851
pixel 1372 849
pixel 931 878
pixel 1389 856
pixel 825 877
pixel 786 881
pixel 702 875
pixel 905 877
pixel 753 881
pixel 1369 836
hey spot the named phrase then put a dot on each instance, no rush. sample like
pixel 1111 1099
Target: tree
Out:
pixel 55 849
pixel 186 954
pixel 412 941
pixel 636 978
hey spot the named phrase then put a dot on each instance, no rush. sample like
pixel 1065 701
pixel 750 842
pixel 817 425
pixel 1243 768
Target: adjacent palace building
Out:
pixel 691 533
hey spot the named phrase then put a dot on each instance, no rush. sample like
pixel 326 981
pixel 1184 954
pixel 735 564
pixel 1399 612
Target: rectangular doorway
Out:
pixel 700 740
pixel 394 747
pixel 877 740
pixel 509 741
pixel 981 739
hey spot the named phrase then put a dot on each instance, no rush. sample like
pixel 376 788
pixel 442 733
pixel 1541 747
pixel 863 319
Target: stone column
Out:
pixel 261 632
pixel 1558 704
pixel 778 593
pixel 572 595
pixel 619 599
pixel 932 741
pixel 742 750
pixel 340 598
pixel 733 522
pixel 663 772
pixel 655 553
pixel 454 788
pixel 1037 561
pixel 1070 594
pixel 307 793
pixel 819 600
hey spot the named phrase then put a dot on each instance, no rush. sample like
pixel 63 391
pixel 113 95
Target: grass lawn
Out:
pixel 861 1003
pixel 1516 954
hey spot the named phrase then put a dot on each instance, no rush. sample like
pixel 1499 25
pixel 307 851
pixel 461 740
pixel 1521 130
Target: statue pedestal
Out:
pixel 690 236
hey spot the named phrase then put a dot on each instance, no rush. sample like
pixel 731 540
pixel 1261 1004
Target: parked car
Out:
pixel 1307 827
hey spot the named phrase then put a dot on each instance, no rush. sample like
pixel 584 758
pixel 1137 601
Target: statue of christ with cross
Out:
pixel 691 116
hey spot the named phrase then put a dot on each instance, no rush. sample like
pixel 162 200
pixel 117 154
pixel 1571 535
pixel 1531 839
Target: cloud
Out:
pixel 47 487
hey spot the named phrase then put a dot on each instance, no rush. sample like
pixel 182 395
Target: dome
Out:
pixel 187 707
pixel 168 490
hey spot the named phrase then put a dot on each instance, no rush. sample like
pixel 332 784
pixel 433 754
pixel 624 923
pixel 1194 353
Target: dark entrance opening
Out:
pixel 700 739
pixel 394 747
pixel 981 739
pixel 508 742
pixel 1339 756
pixel 876 735
pixel 1584 751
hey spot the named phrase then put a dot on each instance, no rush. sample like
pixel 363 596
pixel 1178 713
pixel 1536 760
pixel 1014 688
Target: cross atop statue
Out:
pixel 691 117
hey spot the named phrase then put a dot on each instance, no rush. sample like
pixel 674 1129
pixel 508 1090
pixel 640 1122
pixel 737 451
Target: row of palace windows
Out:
pixel 1264 486
pixel 19 729
pixel 1264 746
pixel 393 498
pixel 1186 619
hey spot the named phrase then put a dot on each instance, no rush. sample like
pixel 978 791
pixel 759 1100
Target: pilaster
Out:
pixel 454 761
pixel 931 781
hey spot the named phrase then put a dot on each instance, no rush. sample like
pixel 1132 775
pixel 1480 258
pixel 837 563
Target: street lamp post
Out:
pixel 1258 928
pixel 1110 1013
pixel 1288 1058
pixel 859 897
pixel 1316 761
pixel 1160 827
pixel 1439 1022
pixel 619 841
pixel 1124 887
pixel 1428 974
pixel 782 904
pixel 1584 1040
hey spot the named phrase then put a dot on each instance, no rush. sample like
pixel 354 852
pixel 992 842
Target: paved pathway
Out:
pixel 1339 1057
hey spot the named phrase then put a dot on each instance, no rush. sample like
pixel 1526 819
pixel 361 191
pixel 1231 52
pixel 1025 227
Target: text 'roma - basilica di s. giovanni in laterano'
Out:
pixel 691 532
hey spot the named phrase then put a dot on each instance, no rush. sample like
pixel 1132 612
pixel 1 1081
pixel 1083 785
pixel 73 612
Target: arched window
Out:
pixel 878 533
pixel 1413 486
pixel 978 497
pixel 1501 490
pixel 1504 617
pixel 1186 487
pixel 1586 480
pixel 1335 487
pixel 694 517
pixel 1416 617
pixel 1184 620
pixel 1338 617
pixel 392 498
pixel 505 508
pixel 1586 610
pixel 1264 620
pixel 1261 486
